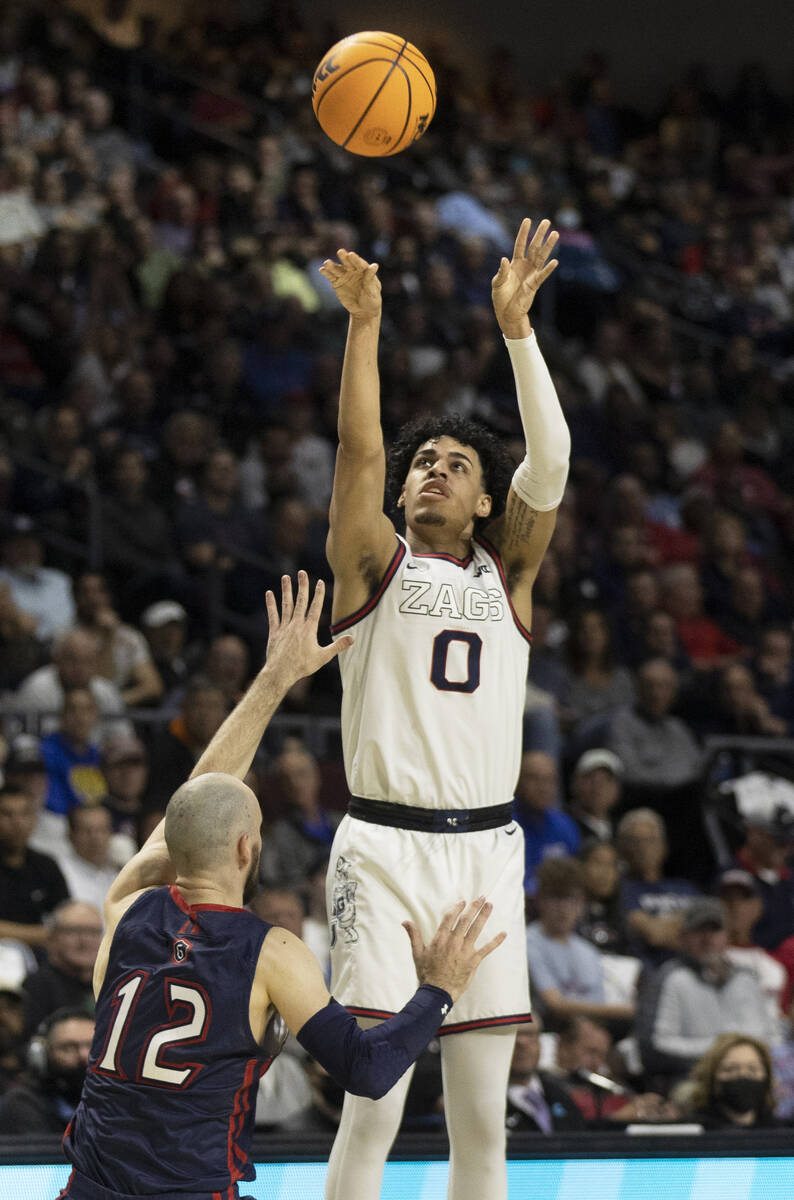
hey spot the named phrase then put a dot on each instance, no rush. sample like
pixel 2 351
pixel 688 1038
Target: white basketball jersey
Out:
pixel 435 683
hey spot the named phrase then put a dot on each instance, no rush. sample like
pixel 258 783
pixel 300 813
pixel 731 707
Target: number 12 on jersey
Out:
pixel 189 1013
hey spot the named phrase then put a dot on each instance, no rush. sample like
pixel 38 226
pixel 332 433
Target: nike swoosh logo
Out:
pixel 416 566
pixel 510 832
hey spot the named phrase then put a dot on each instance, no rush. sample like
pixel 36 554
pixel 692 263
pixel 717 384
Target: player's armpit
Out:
pixel 521 536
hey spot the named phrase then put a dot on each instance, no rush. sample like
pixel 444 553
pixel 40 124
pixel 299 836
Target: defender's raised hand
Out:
pixel 452 957
pixel 515 284
pixel 355 282
pixel 292 645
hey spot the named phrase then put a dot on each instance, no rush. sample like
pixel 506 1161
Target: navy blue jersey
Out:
pixel 170 1093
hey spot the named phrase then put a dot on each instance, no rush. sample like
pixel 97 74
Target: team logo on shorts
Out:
pixel 343 903
pixel 180 949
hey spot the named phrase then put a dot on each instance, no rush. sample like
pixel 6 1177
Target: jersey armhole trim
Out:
pixel 354 618
pixel 494 553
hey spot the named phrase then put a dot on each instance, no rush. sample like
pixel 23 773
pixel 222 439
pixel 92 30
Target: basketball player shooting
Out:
pixel 187 981
pixel 432 709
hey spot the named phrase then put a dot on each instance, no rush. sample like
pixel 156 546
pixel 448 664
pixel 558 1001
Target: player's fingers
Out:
pixel 478 921
pixel 450 917
pixel 272 611
pixel 302 598
pixel 286 599
pixel 335 648
pixel 358 261
pixel 502 273
pixel 540 234
pixel 521 238
pixel 373 268
pixel 417 945
pixel 468 914
pixel 489 947
pixel 316 606
pixel 549 269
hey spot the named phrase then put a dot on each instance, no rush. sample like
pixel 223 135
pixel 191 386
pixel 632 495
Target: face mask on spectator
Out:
pixel 741 1095
pixel 67 1082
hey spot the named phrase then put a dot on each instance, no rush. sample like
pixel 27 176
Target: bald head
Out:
pixel 205 819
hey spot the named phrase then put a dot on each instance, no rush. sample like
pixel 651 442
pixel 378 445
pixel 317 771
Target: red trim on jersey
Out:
pixel 359 614
pixel 461 1027
pixel 69 1182
pixel 181 903
pixel 459 562
pixel 241 1106
pixel 494 553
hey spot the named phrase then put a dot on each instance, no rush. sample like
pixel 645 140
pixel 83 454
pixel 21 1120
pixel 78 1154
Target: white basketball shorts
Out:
pixel 379 876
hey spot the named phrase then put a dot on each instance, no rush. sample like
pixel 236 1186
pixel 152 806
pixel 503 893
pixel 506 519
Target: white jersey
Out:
pixel 434 684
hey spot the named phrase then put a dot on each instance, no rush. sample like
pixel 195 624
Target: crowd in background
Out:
pixel 169 371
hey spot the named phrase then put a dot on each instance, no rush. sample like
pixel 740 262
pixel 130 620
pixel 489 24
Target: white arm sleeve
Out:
pixel 540 479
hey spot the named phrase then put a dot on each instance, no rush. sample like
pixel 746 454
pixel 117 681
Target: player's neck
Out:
pixel 434 539
pixel 204 891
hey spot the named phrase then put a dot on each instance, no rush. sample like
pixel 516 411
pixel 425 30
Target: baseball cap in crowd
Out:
pixel 122 748
pixel 24 754
pixel 8 987
pixel 159 614
pixel 735 877
pixel 591 760
pixel 704 912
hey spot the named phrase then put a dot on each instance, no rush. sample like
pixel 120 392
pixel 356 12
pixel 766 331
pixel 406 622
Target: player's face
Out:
pixel 444 486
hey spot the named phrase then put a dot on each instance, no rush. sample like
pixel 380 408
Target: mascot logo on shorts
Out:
pixel 343 903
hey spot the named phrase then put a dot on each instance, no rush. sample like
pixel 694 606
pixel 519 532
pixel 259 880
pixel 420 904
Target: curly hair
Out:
pixel 497 466
pixel 703 1075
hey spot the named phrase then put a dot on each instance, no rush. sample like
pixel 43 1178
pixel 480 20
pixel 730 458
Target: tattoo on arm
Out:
pixel 519 521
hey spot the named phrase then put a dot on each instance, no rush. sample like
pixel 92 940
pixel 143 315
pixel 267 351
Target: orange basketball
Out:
pixel 374 94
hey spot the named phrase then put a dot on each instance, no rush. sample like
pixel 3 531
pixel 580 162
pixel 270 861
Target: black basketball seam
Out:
pixel 385 46
pixel 385 80
pixel 347 71
pixel 407 115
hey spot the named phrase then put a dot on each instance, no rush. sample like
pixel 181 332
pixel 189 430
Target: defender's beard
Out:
pixel 251 883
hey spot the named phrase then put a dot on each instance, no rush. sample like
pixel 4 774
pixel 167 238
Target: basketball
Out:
pixel 374 94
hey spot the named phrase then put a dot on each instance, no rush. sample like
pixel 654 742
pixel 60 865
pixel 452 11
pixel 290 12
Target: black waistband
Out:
pixel 430 820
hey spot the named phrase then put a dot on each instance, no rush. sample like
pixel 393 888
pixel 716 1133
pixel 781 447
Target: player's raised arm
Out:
pixel 361 539
pixel 523 532
pixel 292 652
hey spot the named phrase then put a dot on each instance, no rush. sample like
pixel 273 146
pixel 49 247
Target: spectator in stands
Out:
pixel 652 905
pixel 601 923
pixel 31 884
pixel 703 640
pixel 308 828
pixel 86 862
pixel 124 656
pixel 656 749
pixel 733 1085
pixel 583 1061
pixel 536 1101
pixel 26 771
pixel 739 709
pixel 659 639
pixel 12 1034
pixel 698 994
pixel 110 146
pixel 125 767
pixel 598 686
pixel 165 627
pixel 72 755
pixel 547 831
pixel 774 672
pixel 136 532
pixel 595 791
pixel 227 666
pixel 74 665
pixel 46 1103
pixel 315 924
pixel 566 971
pixel 766 853
pixel 743 906
pixel 21 652
pixel 65 977
pixel 175 752
pixel 38 591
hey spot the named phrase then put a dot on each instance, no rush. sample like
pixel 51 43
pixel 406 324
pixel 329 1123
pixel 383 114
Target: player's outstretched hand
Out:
pixel 292 645
pixel 452 957
pixel 355 282
pixel 515 284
